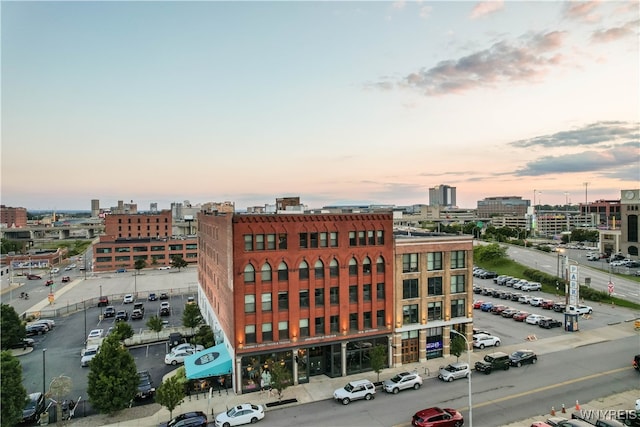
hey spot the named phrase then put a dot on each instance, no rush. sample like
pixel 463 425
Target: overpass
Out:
pixel 48 232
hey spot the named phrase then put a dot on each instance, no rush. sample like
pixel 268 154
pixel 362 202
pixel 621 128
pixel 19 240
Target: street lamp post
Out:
pixel 469 348
pixel 44 373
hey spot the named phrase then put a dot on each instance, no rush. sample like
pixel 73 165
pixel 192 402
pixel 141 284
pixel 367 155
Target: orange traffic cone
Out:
pixel 553 411
pixel 564 411
pixel 577 406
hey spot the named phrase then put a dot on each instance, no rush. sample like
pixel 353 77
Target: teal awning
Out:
pixel 210 362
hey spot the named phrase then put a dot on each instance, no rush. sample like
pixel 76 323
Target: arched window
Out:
pixel 333 268
pixel 366 265
pixel 380 265
pixel 319 269
pixel 303 271
pixel 283 271
pixel 266 272
pixel 249 274
pixel 353 267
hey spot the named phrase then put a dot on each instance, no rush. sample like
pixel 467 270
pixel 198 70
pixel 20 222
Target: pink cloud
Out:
pixel 486 8
pixel 615 33
pixel 582 10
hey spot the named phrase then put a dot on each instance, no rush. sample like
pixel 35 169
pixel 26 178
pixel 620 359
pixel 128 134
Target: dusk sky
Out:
pixel 335 102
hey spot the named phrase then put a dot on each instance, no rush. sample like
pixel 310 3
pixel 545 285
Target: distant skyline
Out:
pixel 335 102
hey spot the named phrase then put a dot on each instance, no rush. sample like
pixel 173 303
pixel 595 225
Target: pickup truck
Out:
pixel 579 309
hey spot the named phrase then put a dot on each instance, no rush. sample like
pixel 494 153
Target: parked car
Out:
pixel 36 329
pixel 34 407
pixel 525 299
pixel 165 267
pixel 498 309
pixel 49 282
pixel 103 302
pixel 486 306
pixel 547 304
pixel 240 414
pixel 437 417
pixel 33 277
pixel 533 319
pixel 485 340
pixel 549 323
pixel 23 343
pixel 515 296
pixel 136 314
pixel 493 361
pixel 165 309
pixel 145 385
pixel 49 322
pixel 519 284
pixel 66 279
pixel 579 309
pixel 128 299
pixel 477 304
pixel 522 357
pixel 509 312
pixel 188 419
pixel 176 357
pixel 190 300
pixel 152 296
pixel 88 354
pixel 454 371
pixel 193 348
pixel 402 381
pixel 488 275
pixel 109 311
pixel 164 296
pixel 139 306
pixel 531 286
pixel 520 316
pixel 536 301
pixel 355 390
pixel 121 270
pixel 96 333
pixel 122 316
pixel 559 307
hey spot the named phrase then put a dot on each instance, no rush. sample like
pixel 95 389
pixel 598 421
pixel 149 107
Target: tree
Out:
pixel 280 378
pixel 204 336
pixel 123 330
pixel 155 324
pixel 171 392
pixel 113 378
pixel 13 396
pixel 12 246
pixel 139 265
pixel 178 262
pixel 11 328
pixel 378 359
pixel 457 346
pixel 487 253
pixel 191 316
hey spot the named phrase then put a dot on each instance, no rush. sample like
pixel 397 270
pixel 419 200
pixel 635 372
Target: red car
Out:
pixel 437 417
pixel 520 316
pixel 477 304
pixel 66 279
pixel 33 277
pixel 48 282
pixel 547 304
pixel 498 309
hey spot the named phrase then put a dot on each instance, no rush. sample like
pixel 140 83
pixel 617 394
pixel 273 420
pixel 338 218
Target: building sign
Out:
pixel 434 345
pixel 574 285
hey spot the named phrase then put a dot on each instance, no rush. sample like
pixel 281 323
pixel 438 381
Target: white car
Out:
pixel 525 299
pixel 96 333
pixel 533 319
pixel 88 354
pixel 245 413
pixel 176 357
pixel 402 381
pixel 55 270
pixel 454 371
pixel 49 322
pixel 537 301
pixel 355 390
pixel 579 309
pixel 128 299
pixel 188 347
pixel 531 286
pixel 165 267
pixel 484 340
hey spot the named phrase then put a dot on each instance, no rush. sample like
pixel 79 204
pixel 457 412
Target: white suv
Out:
pixel 454 371
pixel 484 340
pixel 402 381
pixel 354 390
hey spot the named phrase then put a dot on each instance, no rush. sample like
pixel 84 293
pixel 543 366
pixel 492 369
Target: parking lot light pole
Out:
pixel 44 374
pixel 469 348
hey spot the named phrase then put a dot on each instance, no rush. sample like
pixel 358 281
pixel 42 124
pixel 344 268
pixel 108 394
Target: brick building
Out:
pixel 13 217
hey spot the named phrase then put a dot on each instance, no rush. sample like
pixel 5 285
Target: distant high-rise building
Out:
pixel 95 208
pixel 442 195
pixel 13 217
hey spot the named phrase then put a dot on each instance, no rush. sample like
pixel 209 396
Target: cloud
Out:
pixel 529 60
pixel 425 12
pixel 592 134
pixel 615 33
pixel 582 11
pixel 485 8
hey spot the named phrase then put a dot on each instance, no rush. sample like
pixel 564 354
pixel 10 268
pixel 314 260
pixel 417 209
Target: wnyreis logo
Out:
pixel 608 414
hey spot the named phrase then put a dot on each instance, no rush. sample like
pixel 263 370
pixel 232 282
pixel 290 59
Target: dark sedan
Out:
pixel 549 323
pixel 522 357
pixel 36 328
pixel 122 316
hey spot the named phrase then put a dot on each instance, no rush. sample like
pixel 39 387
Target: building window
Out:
pixel 353 267
pixel 434 310
pixel 333 239
pixel 353 293
pixel 410 289
pixel 250 303
pixel 380 265
pixel 333 268
pixel 250 334
pixel 380 291
pixel 283 330
pixel 435 286
pixel 249 274
pixel 266 302
pixel 457 284
pixel 266 272
pixel 362 241
pixel 283 300
pixel 334 295
pixel 457 308
pixel 319 297
pixel 353 321
pixel 457 259
pixel 380 318
pixel 371 238
pixel 366 316
pixel 267 332
pixel 303 271
pixel 282 241
pixel 352 239
pixel 333 324
pixel 304 299
pixel 409 314
pixel 303 241
pixel 259 242
pixel 319 270
pixel 319 325
pixel 366 292
pixel 434 261
pixel 304 327
pixel 313 240
pixel 283 272
pixel 271 241
pixel 409 263
pixel 323 240
pixel 248 242
pixel 366 265
pixel 380 237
